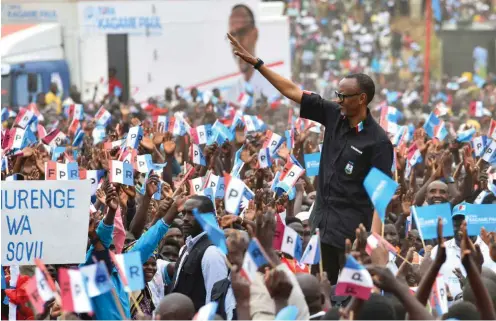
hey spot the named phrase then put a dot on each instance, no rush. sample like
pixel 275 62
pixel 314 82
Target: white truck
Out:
pixel 152 45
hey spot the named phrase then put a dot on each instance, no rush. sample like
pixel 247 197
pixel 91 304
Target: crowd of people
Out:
pixel 170 214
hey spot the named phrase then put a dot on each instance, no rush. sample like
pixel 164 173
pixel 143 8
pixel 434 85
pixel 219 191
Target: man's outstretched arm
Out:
pixel 285 86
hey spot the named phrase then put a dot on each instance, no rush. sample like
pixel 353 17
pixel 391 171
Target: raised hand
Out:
pixel 100 195
pixel 169 144
pixel 111 198
pixel 152 185
pixel 441 251
pixel 278 284
pixel 240 51
pixel 147 143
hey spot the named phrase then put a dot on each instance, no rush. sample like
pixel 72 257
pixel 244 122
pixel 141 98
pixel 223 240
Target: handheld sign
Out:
pixel 312 164
pixel 426 219
pixel 480 216
pixel 45 220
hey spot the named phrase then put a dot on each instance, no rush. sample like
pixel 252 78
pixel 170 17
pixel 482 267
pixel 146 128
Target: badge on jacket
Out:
pixel 349 168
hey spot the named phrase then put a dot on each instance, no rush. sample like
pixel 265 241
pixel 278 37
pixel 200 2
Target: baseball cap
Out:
pixel 459 209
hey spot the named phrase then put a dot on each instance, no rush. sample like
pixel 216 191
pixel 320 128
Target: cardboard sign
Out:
pixel 47 220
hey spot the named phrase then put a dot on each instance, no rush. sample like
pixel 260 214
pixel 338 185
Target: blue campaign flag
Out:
pixel 392 96
pixel 4 283
pixel 73 171
pixel 29 138
pixel 436 10
pixel 134 136
pixel 57 151
pixel 78 139
pixel 219 193
pixel 133 269
pixel 223 130
pixel 209 192
pixel 128 174
pixel 381 189
pixel 5 116
pixel 478 216
pixel 256 253
pixel 158 193
pixel 426 220
pixel 287 313
pixel 99 134
pixel 215 234
pixel 312 164
pixel 275 182
pixel 466 135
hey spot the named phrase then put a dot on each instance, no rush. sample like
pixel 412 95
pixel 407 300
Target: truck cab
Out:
pixel 32 58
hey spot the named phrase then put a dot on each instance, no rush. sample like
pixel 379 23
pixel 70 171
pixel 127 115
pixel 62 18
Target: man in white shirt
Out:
pixel 453 252
pixel 242 27
pixel 201 264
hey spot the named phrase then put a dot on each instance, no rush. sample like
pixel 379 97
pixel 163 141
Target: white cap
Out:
pixel 303 216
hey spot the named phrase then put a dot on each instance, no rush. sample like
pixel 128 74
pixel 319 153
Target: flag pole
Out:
pixel 133 298
pixel 321 264
pixel 114 295
pixel 118 303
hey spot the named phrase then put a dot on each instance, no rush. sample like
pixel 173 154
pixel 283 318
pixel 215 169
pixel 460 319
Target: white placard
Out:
pixel 46 220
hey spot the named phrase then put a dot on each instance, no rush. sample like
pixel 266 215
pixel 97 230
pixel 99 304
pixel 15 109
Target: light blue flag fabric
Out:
pixel 426 220
pixel 215 234
pixel 288 313
pixel 57 151
pixel 466 135
pixel 381 189
pixel 256 253
pixel 478 216
pixel 133 269
pixel 312 164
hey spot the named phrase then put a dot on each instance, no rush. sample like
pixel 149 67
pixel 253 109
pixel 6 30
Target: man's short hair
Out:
pixel 248 10
pixel 365 83
pixel 206 205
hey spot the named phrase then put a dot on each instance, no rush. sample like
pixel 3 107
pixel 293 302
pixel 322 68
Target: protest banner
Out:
pixel 45 220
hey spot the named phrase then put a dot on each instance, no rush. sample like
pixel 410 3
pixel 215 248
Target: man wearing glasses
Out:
pixel 242 27
pixel 353 143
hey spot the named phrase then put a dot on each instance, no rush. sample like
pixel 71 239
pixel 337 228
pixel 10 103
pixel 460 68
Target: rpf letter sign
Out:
pixel 47 220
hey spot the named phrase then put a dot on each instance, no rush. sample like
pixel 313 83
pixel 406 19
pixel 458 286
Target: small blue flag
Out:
pixel 215 234
pixel 426 220
pixel 287 313
pixel 466 135
pixel 381 189
pixel 4 282
pixel 478 216
pixel 312 164
pixel 57 151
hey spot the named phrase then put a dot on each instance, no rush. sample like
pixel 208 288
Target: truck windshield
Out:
pixel 6 91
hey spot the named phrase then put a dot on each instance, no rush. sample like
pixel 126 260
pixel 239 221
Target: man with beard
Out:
pixel 201 264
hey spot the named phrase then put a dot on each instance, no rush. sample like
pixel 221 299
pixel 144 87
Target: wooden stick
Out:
pixel 478 162
pixel 382 228
pixel 118 303
pixel 321 263
pixel 405 260
pixel 136 303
